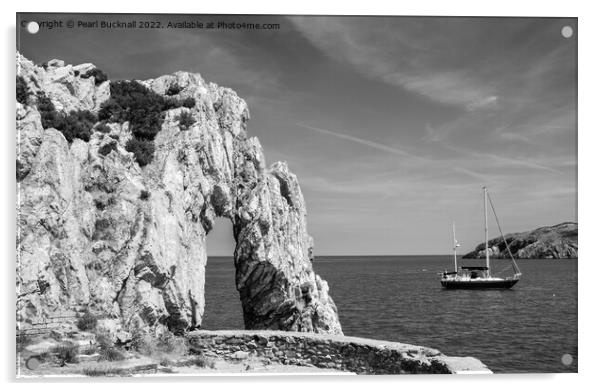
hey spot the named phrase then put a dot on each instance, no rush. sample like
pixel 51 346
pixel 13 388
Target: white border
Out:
pixel 590 166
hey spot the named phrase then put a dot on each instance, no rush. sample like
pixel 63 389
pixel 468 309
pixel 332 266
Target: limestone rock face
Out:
pixel 277 285
pixel 64 84
pixel 97 232
pixel 555 242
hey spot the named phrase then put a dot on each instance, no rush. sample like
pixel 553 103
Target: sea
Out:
pixel 530 328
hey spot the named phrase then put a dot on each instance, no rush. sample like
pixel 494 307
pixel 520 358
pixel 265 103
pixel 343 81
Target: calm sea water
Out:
pixel 399 298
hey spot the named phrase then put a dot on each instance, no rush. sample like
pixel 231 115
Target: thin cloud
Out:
pixel 361 141
pixel 454 88
pixel 481 177
pixel 368 51
pixel 488 102
pixel 503 160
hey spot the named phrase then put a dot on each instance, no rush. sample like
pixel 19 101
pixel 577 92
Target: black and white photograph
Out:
pixel 234 194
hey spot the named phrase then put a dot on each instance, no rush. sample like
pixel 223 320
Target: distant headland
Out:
pixel 554 242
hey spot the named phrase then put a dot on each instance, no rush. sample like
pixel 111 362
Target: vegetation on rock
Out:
pixel 87 321
pixel 107 148
pixel 188 102
pixel 131 101
pixel 144 195
pixel 142 149
pixel 173 89
pixel 98 75
pixel 23 91
pixel 48 112
pixel 135 103
pixel 76 124
pixel 186 120
pixel 102 128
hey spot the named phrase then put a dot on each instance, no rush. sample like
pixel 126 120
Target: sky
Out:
pixel 391 124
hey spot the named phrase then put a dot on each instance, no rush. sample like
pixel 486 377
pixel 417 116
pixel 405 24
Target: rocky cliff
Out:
pixel 558 241
pixel 97 232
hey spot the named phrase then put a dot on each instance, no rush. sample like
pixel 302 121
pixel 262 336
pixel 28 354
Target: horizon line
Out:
pixel 361 255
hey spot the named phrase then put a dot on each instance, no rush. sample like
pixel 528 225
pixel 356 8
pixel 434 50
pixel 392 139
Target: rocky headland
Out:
pixel 119 183
pixel 555 242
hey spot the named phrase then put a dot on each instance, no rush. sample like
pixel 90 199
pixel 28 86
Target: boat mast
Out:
pixel 455 247
pixel 517 272
pixel 486 232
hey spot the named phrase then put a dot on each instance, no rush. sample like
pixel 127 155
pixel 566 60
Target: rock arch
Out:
pixel 129 243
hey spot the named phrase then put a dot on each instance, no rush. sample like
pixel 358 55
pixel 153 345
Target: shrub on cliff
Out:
pixel 143 150
pixel 107 148
pixel 172 103
pixel 98 75
pixel 186 120
pixel 48 113
pixel 143 109
pixel 102 128
pixel 87 322
pixel 76 124
pixel 133 102
pixel 173 89
pixel 23 91
pixel 188 102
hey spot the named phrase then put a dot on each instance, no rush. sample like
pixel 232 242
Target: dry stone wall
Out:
pixel 336 352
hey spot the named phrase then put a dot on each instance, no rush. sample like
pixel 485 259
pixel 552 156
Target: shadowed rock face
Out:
pixel 277 285
pixel 558 241
pixel 97 231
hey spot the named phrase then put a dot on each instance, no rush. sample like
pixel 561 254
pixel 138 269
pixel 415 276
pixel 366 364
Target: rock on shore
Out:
pixel 555 242
pixel 98 233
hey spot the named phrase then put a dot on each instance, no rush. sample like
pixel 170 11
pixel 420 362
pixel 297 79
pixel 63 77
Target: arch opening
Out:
pixel 223 309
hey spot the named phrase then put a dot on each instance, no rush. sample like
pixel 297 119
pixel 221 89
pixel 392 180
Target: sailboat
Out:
pixel 479 277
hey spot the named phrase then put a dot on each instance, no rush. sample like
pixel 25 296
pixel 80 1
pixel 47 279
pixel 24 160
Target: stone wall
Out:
pixel 350 354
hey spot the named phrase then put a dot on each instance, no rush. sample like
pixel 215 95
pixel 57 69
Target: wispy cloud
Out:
pixel 369 51
pixel 504 160
pixel 481 177
pixel 362 141
pixel 455 88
